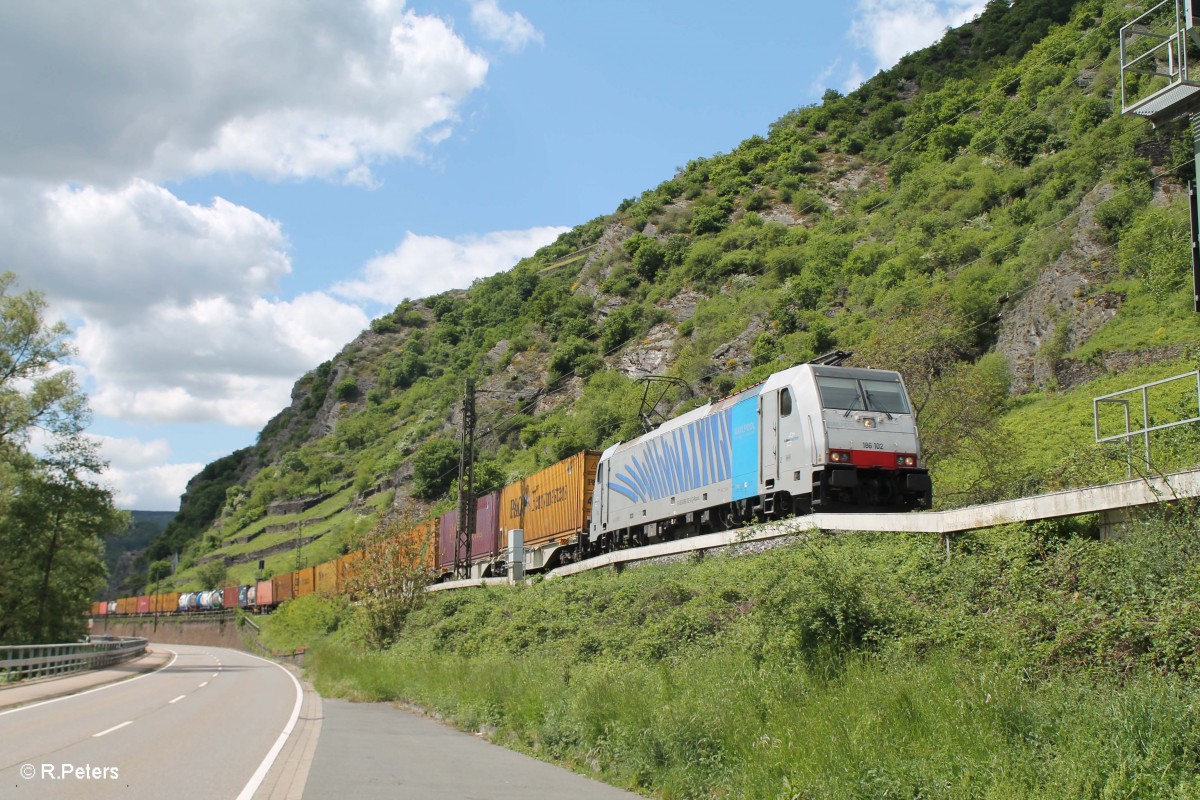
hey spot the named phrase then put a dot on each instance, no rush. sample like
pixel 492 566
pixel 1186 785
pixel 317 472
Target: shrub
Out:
pixel 573 355
pixel 435 465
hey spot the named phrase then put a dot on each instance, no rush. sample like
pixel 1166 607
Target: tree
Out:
pixel 53 513
pixel 389 577
pixel 921 344
pixel 51 545
pixel 32 393
pixel 435 465
pixel 159 570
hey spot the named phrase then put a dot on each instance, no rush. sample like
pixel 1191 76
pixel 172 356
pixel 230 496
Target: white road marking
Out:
pixel 126 682
pixel 259 774
pixel 113 728
pixel 177 699
pixel 204 684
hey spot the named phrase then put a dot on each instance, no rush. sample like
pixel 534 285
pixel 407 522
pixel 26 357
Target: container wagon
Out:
pixel 326 578
pixel 264 595
pixel 306 581
pixel 486 559
pixel 283 587
pixel 552 507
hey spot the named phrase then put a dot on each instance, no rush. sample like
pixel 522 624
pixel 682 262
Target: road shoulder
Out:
pixel 376 750
pixel 289 774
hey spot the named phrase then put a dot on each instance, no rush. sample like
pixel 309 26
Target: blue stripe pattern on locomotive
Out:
pixel 690 457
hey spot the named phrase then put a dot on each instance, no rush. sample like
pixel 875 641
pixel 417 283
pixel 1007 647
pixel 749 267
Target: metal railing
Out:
pixel 22 662
pixel 1154 62
pixel 1140 396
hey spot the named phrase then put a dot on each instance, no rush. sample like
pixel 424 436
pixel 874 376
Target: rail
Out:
pixel 1104 499
pixel 1141 398
pixel 22 662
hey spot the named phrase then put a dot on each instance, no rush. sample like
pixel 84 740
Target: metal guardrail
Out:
pixel 22 662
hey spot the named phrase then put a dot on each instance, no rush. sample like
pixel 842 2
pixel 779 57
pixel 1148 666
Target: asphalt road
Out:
pixel 374 751
pixel 203 727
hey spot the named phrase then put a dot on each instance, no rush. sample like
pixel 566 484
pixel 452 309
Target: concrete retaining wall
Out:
pixel 216 630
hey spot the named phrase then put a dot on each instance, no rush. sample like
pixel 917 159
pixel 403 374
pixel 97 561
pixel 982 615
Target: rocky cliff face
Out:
pixel 1064 308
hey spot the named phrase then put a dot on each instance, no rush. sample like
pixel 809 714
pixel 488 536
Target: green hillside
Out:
pixel 1025 662
pixel 144 528
pixel 980 217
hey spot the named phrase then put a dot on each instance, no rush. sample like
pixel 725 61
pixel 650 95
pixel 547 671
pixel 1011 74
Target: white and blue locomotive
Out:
pixel 810 438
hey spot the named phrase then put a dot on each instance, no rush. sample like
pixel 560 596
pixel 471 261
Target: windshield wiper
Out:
pixel 870 404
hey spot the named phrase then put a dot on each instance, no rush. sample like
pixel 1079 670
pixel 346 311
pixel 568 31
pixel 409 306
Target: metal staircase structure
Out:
pixel 1157 85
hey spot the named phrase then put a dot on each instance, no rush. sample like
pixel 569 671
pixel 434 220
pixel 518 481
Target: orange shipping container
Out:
pixel 283 587
pixel 306 581
pixel 423 539
pixel 348 570
pixel 552 506
pixel 326 578
pixel 167 603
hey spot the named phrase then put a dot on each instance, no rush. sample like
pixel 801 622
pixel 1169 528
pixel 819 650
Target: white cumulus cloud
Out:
pixel 177 304
pixel 513 31
pixel 111 252
pixel 214 360
pixel 97 92
pixel 426 265
pixel 140 475
pixel 174 304
pixel 891 29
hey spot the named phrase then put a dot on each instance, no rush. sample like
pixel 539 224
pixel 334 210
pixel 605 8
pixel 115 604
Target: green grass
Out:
pixel 1050 437
pixel 330 505
pixel 1035 662
pixel 1143 323
pixel 336 532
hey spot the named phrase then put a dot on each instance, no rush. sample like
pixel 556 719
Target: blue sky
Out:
pixel 219 196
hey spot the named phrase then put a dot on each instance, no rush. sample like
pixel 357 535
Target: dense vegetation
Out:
pixel 1024 662
pixel 53 512
pixel 144 528
pixel 981 218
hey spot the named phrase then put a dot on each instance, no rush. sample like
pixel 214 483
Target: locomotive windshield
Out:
pixel 851 394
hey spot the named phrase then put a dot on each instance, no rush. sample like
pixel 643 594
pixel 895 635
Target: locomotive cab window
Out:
pixel 840 393
pixel 785 402
pixel 850 394
pixel 885 396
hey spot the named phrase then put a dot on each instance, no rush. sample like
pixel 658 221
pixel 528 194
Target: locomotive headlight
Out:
pixel 906 461
pixel 839 456
pixel 868 422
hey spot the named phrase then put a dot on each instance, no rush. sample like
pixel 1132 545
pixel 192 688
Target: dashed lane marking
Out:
pixel 114 728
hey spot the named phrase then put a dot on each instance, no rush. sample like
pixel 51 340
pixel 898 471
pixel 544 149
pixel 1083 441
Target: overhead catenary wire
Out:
pixel 931 281
pixel 504 424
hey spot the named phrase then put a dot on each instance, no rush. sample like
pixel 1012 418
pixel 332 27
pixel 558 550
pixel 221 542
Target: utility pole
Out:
pixel 466 485
pixel 299 538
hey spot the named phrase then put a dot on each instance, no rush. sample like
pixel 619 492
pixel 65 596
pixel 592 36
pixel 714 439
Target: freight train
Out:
pixel 815 437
